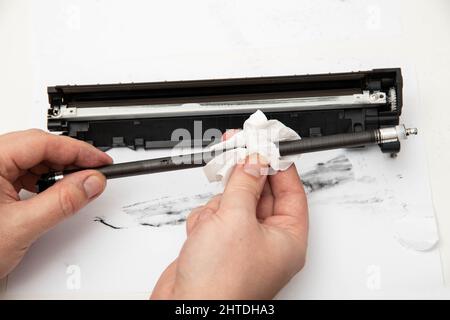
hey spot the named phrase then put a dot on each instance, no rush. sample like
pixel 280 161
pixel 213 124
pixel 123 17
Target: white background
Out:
pixel 172 40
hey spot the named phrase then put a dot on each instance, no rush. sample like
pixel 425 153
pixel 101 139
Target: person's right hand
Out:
pixel 24 156
pixel 244 244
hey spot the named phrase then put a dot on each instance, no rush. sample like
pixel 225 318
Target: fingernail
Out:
pixel 109 159
pixel 229 133
pixel 256 166
pixel 257 159
pixel 93 186
pixel 253 170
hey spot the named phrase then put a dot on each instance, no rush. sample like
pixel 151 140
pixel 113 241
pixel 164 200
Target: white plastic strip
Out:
pixel 223 107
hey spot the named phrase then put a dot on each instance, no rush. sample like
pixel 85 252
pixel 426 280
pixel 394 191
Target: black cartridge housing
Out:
pixel 156 132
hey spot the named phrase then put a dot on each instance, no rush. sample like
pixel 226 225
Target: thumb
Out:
pixel 62 200
pixel 244 187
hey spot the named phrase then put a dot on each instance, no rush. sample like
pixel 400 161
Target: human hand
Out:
pixel 244 244
pixel 24 156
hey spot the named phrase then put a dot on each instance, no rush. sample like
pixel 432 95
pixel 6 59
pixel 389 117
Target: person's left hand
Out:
pixel 24 156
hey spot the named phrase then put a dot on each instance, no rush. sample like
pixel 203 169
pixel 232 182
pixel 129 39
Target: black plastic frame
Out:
pixel 156 132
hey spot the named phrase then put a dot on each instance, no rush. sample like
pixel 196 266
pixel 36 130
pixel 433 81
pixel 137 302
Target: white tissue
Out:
pixel 258 136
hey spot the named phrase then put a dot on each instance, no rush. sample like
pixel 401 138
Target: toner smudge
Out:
pixel 167 211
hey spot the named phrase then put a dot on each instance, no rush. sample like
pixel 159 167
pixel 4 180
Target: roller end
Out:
pixel 411 131
pixel 47 180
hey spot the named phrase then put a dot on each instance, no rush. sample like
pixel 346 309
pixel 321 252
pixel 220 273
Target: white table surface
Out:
pixel 420 36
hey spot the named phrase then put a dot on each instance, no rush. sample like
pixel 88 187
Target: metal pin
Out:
pixel 411 131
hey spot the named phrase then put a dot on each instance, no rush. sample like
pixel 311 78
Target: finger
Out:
pixel 244 187
pixel 196 217
pixel 165 284
pixel 265 204
pixel 37 146
pixel 200 213
pixel 29 179
pixel 42 212
pixel 7 192
pixel 27 182
pixel 289 194
pixel 40 169
pixel 214 202
pixel 191 220
pixel 229 133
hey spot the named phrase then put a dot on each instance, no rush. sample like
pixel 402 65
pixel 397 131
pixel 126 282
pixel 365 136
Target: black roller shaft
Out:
pixel 194 160
pixel 200 159
pixel 154 165
pixel 344 140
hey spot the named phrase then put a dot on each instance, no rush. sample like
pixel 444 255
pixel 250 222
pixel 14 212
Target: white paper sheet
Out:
pixel 359 200
pixel 355 225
